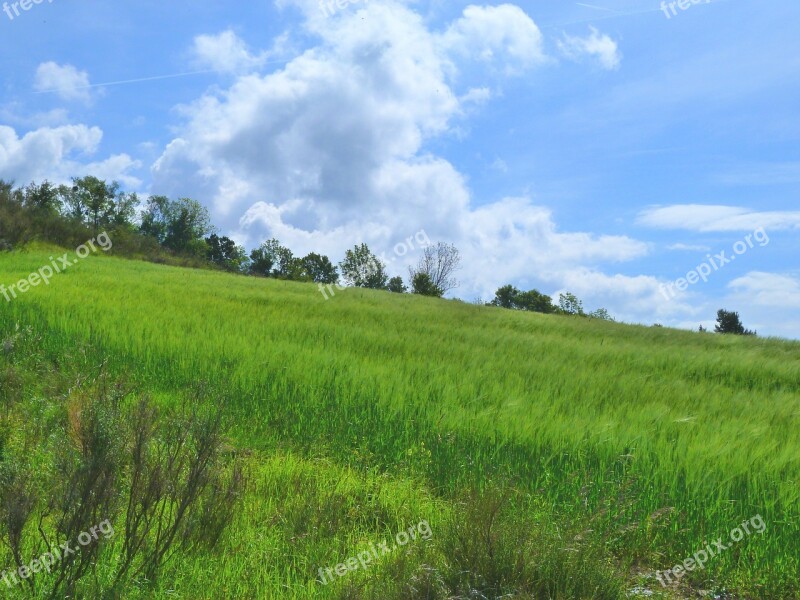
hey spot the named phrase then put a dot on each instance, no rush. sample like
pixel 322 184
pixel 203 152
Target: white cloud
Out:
pixel 709 217
pixel 64 80
pixel 227 53
pixel 495 34
pixel 598 46
pixel 769 289
pixel 767 302
pixel 689 248
pixel 478 96
pixel 332 149
pixel 633 299
pixel 116 168
pixel 53 153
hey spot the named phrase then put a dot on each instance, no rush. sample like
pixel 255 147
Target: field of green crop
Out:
pixel 553 457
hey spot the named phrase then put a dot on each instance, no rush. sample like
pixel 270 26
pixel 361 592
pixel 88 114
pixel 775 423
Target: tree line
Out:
pixel 180 232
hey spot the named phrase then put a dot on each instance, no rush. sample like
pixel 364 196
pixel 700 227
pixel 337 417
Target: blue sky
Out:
pixel 604 148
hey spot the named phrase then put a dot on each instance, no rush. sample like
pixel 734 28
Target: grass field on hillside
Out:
pixel 553 457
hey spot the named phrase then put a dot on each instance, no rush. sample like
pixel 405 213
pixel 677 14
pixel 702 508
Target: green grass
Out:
pixel 662 439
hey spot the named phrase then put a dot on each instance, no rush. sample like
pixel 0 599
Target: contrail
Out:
pixel 596 7
pixel 141 79
pixel 616 14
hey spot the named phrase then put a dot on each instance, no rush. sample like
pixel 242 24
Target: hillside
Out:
pixel 552 457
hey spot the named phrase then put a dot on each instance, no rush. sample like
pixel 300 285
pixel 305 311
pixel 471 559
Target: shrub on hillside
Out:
pixel 158 482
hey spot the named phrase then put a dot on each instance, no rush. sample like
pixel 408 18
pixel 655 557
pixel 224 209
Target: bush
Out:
pixel 101 455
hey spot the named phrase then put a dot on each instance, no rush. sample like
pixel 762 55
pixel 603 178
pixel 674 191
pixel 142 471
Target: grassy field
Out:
pixel 552 457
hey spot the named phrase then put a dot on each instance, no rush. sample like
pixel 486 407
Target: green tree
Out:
pixel 602 314
pixel 423 285
pixel 439 263
pixel 728 322
pixel 124 210
pixel 362 268
pixel 569 304
pixel 91 201
pixel 224 252
pixel 179 225
pixel 272 259
pixel 319 268
pixel 261 261
pixel 42 199
pixel 506 297
pixel 397 286
pixel 535 301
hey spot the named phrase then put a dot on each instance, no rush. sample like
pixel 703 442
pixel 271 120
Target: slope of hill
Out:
pixel 552 457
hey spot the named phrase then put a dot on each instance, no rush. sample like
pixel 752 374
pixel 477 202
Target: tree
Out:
pixel 535 301
pixel 124 210
pixel 532 301
pixel 602 314
pixel 179 225
pixel 188 224
pixel 42 199
pixel 423 285
pixel 319 269
pixel 224 252
pixel 397 286
pixel 506 297
pixel 261 261
pixel 91 201
pixel 362 268
pixel 569 304
pixel 439 263
pixel 728 322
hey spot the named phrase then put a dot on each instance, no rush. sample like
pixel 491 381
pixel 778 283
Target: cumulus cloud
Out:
pixel 760 296
pixel 332 150
pixel 769 289
pixel 53 153
pixel 63 80
pixel 228 53
pixel 491 34
pixel 714 218
pixel 596 46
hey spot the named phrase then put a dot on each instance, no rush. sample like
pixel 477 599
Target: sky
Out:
pixel 642 156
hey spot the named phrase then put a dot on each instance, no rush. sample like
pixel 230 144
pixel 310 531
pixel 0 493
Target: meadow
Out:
pixel 552 456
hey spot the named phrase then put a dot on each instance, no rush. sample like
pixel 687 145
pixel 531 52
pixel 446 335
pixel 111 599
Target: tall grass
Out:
pixel 618 421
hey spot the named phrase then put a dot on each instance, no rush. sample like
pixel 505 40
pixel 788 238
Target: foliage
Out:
pixel 423 285
pixel 533 301
pixel 179 225
pixel 397 286
pixel 728 322
pixel 602 314
pixel 361 268
pixel 439 262
pixel 569 304
pixel 155 479
pixel 223 252
pixel 319 269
